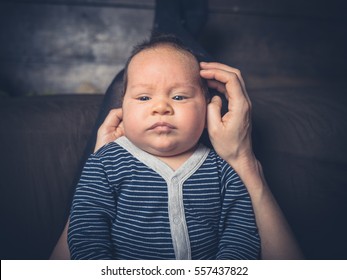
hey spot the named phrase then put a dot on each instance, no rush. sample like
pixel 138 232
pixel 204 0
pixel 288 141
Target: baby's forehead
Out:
pixel 158 60
pixel 179 53
pixel 162 62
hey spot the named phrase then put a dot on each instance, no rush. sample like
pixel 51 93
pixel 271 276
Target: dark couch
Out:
pixel 300 136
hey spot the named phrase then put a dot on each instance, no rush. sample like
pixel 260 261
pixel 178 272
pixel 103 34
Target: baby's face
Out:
pixel 164 107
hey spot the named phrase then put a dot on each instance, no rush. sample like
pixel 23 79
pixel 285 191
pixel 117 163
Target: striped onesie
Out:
pixel 130 205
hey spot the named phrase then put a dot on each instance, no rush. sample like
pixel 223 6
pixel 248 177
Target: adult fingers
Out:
pixel 234 91
pixel 214 117
pixel 224 67
pixel 217 86
pixel 220 66
pixel 111 127
pixel 113 119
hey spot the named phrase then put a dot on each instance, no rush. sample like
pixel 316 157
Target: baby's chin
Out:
pixel 162 151
pixel 166 148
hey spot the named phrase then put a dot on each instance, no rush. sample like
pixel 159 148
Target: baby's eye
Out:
pixel 179 97
pixel 143 98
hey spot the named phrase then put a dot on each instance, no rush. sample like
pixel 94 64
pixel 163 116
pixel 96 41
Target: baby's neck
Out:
pixel 176 161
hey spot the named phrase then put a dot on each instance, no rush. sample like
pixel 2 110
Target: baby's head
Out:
pixel 165 98
pixel 169 41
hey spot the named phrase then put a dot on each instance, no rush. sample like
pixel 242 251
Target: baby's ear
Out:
pixel 208 99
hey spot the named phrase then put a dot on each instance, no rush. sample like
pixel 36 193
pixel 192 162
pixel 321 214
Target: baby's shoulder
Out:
pixel 108 151
pixel 214 159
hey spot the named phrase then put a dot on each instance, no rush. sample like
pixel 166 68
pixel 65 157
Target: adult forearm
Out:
pixel 277 239
pixel 61 249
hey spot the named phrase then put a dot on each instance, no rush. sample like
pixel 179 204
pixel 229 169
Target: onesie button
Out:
pixel 176 220
pixel 174 181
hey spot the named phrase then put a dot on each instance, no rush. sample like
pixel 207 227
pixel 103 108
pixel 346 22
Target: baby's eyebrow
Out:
pixel 184 85
pixel 173 86
pixel 147 86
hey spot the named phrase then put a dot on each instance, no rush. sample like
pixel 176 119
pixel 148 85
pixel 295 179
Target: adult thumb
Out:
pixel 214 116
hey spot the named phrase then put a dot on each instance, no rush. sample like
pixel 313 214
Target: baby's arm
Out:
pixel 239 237
pixel 93 209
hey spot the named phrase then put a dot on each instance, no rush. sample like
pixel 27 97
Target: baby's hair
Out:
pixel 162 40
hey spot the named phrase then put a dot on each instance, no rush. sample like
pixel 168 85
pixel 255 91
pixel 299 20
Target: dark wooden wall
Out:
pixel 280 43
pixel 77 46
pixel 50 47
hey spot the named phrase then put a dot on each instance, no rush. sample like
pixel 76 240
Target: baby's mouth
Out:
pixel 162 127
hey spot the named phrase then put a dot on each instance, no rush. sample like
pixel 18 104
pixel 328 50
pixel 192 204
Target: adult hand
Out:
pixel 111 128
pixel 231 137
pixel 231 134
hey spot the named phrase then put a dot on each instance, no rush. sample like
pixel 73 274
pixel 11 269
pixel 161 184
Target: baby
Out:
pixel 157 192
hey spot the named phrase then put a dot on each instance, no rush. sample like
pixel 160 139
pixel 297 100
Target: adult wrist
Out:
pixel 251 173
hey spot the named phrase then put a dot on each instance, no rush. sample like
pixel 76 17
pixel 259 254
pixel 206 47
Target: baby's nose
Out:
pixel 162 107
